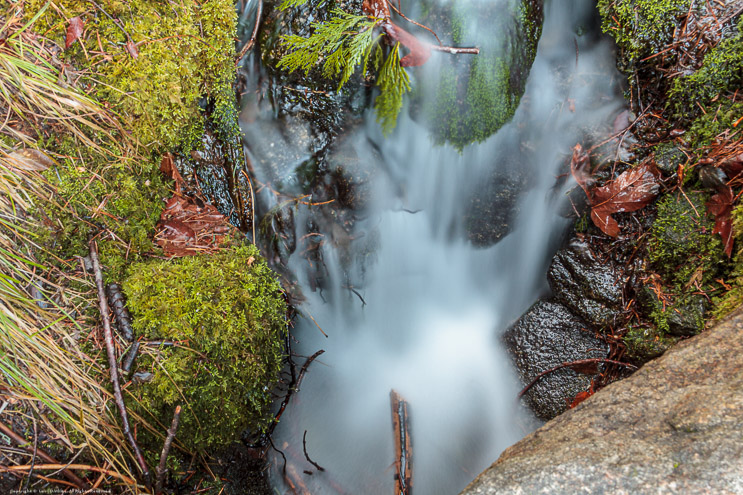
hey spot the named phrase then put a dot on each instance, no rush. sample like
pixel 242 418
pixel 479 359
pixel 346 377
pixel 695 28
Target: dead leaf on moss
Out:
pixel 74 30
pixel 721 206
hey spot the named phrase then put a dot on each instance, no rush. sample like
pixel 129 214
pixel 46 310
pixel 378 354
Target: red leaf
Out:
pixel 131 47
pixel 581 396
pixel 419 51
pixel 74 30
pixel 721 206
pixel 631 191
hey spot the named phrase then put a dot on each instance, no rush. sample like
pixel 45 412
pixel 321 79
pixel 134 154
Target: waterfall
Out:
pixel 409 304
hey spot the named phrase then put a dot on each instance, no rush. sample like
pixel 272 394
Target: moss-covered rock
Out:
pixel 641 27
pixel 644 344
pixel 226 315
pixel 469 98
pixel 681 244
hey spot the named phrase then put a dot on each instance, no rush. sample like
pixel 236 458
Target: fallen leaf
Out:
pixel 631 191
pixel 376 8
pixel 74 30
pixel 721 206
pixel 581 396
pixel 419 53
pixel 167 167
pixel 131 47
pixel 30 159
pixel 580 168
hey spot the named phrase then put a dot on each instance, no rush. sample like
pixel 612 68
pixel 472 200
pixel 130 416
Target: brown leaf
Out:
pixel 176 229
pixel 581 396
pixel 631 191
pixel 167 167
pixel 376 8
pixel 30 159
pixel 74 30
pixel 721 206
pixel 131 47
pixel 580 167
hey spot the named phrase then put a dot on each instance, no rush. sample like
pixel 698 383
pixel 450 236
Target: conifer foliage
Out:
pixel 347 41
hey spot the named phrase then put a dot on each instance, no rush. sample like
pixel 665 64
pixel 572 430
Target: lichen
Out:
pixel 227 316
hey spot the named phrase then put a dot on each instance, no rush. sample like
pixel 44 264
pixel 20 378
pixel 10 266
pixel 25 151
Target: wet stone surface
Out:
pixel 547 335
pixel 589 287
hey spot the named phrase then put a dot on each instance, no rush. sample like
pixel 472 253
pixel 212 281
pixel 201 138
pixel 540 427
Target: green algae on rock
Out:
pixel 226 314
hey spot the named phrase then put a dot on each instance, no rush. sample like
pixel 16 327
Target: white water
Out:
pixel 434 305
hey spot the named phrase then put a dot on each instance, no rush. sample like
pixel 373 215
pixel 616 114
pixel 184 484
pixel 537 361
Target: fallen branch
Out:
pixel 571 364
pixel 162 467
pixel 251 41
pixel 307 456
pixel 20 441
pixel 403 444
pixel 293 387
pixel 112 364
pixel 65 467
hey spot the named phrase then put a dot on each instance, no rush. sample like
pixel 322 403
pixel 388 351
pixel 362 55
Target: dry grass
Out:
pixel 46 378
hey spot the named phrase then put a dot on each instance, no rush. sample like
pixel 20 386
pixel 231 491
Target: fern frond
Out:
pixel 393 82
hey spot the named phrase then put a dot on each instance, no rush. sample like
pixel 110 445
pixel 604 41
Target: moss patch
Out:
pixel 227 313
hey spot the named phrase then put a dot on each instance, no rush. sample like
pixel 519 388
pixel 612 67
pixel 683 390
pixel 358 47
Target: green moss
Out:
pixel 681 243
pixel 185 51
pixel 733 299
pixel 721 74
pixel 644 344
pixel 641 27
pixel 228 315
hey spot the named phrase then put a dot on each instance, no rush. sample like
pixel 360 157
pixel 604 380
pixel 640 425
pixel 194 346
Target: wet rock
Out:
pixel 668 158
pixel 493 207
pixel 547 335
pixel 672 427
pixel 591 288
pixel 644 344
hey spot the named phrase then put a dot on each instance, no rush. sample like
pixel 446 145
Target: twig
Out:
pixel 64 467
pixel 251 41
pixel 455 50
pixel 293 387
pixel 162 467
pixel 280 452
pixel 115 21
pixel 33 457
pixel 403 444
pixel 306 455
pixel 131 355
pixel 19 440
pixel 580 362
pixel 114 369
pixel 397 10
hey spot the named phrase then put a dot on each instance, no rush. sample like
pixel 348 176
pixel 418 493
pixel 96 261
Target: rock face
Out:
pixel 586 285
pixel 675 426
pixel 547 335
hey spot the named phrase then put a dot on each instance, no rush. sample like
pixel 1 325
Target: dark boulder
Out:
pixel 547 335
pixel 590 287
pixel 672 427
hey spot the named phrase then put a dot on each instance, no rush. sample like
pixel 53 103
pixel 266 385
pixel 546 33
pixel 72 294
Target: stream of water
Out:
pixel 413 306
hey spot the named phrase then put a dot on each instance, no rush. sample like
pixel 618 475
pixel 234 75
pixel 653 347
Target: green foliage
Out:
pixel 393 83
pixel 681 241
pixel 641 27
pixel 227 313
pixel 343 42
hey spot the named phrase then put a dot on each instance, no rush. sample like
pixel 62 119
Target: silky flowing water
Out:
pixel 412 305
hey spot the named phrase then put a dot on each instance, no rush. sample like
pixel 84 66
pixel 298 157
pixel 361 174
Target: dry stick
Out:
pixel 403 444
pixel 33 457
pixel 580 362
pixel 108 337
pixel 161 468
pixel 398 10
pixel 307 456
pixel 19 440
pixel 251 41
pixel 64 467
